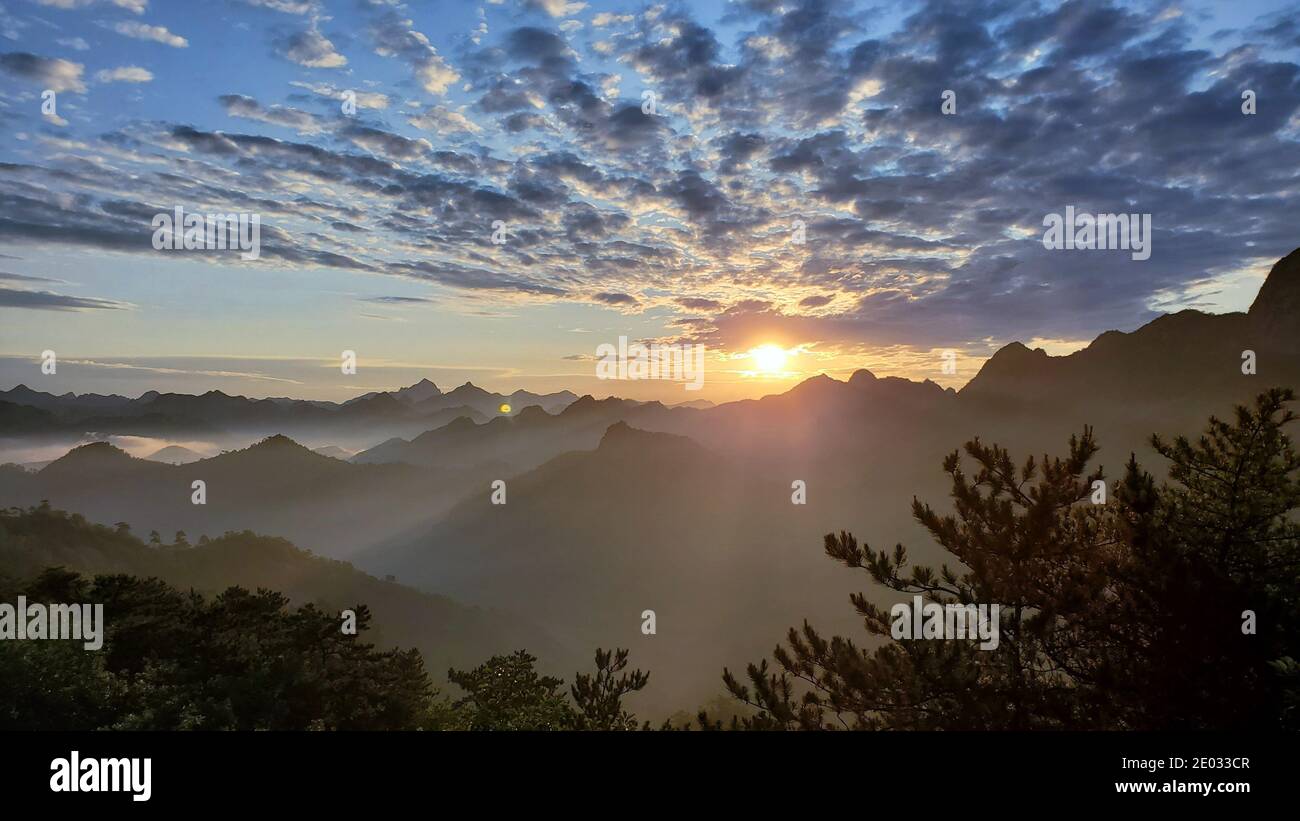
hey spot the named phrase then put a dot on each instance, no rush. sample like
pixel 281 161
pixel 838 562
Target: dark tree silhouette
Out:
pixel 506 693
pixel 173 660
pixel 1127 614
pixel 599 697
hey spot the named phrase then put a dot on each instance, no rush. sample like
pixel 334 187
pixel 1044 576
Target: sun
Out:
pixel 768 358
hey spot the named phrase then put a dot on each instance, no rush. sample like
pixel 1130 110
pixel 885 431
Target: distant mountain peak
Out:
pixel 621 435
pixel 821 378
pixel 277 440
pixel 1017 349
pixel 1282 279
pixel 419 392
pixel 334 452
pixel 275 452
pixel 816 386
pixel 862 376
pixel 532 413
pixel 277 444
pixel 459 423
pixel 1015 355
pixel 469 389
pixel 24 392
pixel 619 429
pixel 583 404
pixel 1011 364
pixel 1277 305
pixel 380 400
pixel 99 449
pixel 174 454
pixel 95 456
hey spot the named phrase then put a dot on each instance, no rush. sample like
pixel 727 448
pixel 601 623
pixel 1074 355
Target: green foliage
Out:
pixel 173 660
pixel 242 660
pixel 54 685
pixel 444 631
pixel 1120 616
pixel 506 693
pixel 599 697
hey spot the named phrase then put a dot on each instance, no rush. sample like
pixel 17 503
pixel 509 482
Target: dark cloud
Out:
pixel 395 36
pixel 737 149
pixel 687 64
pixel 24 278
pixel 610 298
pixel 538 46
pixel 398 300
pixel 815 301
pixel 47 72
pixel 472 278
pixel 524 120
pixel 505 94
pixel 699 303
pixel 237 105
pixel 47 301
pixel 310 48
pixel 385 143
pixel 1281 30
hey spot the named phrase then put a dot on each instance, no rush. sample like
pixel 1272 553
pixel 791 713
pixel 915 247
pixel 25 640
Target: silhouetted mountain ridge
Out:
pixel 275 486
pixel 409 410
pixel 1276 309
pixel 1188 356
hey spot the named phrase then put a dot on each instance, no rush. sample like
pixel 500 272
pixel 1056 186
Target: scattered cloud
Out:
pixel 48 301
pixel 237 105
pixel 48 72
pixel 157 34
pixel 124 74
pixel 310 48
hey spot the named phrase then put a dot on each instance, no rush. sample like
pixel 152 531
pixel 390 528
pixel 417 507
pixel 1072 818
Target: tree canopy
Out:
pixel 1169 605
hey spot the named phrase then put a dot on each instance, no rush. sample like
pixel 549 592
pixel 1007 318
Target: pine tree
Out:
pixel 1217 542
pixel 599 697
pixel 506 693
pixel 1120 615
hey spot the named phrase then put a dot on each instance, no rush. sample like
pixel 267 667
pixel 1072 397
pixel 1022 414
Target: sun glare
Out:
pixel 768 358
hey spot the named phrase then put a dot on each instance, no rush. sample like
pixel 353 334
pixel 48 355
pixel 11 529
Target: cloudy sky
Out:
pixel 651 164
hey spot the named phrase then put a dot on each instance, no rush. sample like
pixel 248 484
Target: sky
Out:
pixel 738 175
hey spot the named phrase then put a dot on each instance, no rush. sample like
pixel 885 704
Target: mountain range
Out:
pixel 406 411
pixel 275 486
pixel 445 631
pixel 614 507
